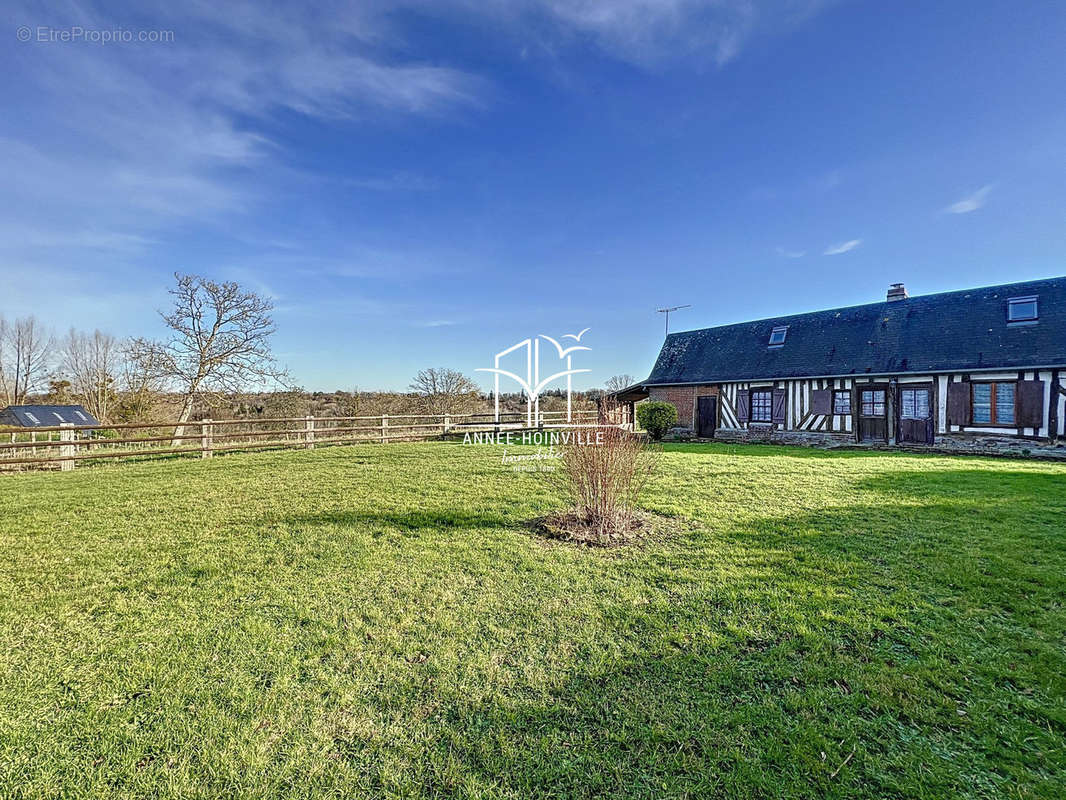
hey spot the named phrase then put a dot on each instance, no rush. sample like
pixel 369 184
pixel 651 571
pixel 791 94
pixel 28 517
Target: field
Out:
pixel 381 621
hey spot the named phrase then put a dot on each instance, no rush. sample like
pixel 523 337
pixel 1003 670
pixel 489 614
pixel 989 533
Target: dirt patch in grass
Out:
pixel 571 528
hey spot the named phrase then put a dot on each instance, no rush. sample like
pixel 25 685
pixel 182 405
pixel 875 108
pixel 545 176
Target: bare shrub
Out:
pixel 604 470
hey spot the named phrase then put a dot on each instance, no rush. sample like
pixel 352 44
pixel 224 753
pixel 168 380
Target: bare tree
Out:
pixel 140 384
pixel 618 382
pixel 91 362
pixel 25 357
pixel 446 391
pixel 5 364
pixel 219 343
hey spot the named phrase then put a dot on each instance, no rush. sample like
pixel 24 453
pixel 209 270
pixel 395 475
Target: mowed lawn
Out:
pixel 380 621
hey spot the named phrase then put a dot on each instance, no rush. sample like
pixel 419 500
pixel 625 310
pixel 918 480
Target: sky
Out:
pixel 425 183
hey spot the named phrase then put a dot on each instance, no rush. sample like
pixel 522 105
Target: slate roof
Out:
pixel 46 416
pixel 952 331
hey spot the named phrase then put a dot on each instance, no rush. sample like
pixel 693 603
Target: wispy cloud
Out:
pixel 843 247
pixel 786 253
pixel 971 202
pixel 650 33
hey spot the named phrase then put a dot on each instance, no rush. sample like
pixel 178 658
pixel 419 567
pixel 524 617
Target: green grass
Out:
pixel 377 621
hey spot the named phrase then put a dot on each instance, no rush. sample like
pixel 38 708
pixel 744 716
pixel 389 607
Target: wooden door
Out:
pixel 914 403
pixel 706 417
pixel 873 412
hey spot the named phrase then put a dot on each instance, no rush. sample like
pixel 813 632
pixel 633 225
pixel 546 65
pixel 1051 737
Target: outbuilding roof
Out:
pixel 952 331
pixel 46 416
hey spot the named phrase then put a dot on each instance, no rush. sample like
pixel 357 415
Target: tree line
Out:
pixel 214 360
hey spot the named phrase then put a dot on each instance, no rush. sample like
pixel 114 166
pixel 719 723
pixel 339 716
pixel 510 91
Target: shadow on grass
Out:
pixel 450 519
pixel 984 486
pixel 762 720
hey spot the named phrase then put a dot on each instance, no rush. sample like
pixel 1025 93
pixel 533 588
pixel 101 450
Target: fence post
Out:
pixel 206 442
pixel 309 435
pixel 384 428
pixel 447 423
pixel 66 451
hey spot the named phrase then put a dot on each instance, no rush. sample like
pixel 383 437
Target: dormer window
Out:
pixel 1022 309
pixel 777 335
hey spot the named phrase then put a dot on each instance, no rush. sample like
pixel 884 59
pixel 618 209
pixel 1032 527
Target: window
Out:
pixel 81 416
pixel 914 403
pixel 761 406
pixel 873 402
pixel 842 402
pixel 32 418
pixel 777 335
pixel 993 403
pixel 1022 309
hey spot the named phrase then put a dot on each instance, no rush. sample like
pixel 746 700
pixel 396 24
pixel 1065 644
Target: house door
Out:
pixel 915 414
pixel 873 413
pixel 706 416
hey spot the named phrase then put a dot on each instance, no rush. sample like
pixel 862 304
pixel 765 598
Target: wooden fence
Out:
pixel 64 446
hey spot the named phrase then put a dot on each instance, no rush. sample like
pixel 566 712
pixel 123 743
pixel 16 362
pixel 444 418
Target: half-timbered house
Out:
pixel 982 364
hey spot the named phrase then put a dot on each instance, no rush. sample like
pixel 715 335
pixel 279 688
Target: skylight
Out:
pixel 1022 309
pixel 777 335
pixel 32 418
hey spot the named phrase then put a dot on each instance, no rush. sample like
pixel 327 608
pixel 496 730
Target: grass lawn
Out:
pixel 368 621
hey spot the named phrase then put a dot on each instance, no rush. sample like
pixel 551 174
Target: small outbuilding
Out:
pixel 46 417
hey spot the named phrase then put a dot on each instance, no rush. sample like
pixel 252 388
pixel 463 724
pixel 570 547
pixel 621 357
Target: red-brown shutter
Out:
pixel 958 403
pixel 1030 404
pixel 743 404
pixel 779 407
pixel 821 402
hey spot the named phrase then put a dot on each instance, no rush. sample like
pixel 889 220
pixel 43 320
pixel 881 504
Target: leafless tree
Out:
pixel 91 363
pixel 618 382
pixel 446 391
pixel 140 387
pixel 25 356
pixel 219 343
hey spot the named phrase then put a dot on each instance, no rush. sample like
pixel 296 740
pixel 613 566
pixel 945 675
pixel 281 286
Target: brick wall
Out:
pixel 683 398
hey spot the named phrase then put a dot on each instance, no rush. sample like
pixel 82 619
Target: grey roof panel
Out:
pixel 40 416
pixel 952 331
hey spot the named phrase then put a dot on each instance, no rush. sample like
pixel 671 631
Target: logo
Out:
pixel 532 384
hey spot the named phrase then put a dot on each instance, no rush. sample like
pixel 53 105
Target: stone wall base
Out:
pixel 947 443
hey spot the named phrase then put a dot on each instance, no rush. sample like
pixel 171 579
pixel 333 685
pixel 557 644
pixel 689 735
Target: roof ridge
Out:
pixel 908 300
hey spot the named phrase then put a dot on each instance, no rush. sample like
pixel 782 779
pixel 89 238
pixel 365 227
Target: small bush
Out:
pixel 604 474
pixel 656 418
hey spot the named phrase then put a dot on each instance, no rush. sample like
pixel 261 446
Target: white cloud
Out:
pixel 646 33
pixel 843 247
pixel 971 202
pixel 786 253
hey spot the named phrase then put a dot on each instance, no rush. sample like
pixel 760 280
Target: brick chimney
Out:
pixel 897 291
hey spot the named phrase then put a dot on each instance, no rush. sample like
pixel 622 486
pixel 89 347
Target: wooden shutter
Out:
pixel 1030 402
pixel 779 407
pixel 743 404
pixel 822 402
pixel 958 404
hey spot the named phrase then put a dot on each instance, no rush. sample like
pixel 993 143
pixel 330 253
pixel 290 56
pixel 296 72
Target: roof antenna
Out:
pixel 667 312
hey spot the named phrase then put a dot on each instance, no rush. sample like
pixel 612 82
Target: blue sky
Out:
pixel 424 183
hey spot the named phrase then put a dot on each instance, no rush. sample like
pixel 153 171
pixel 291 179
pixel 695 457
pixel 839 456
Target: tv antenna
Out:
pixel 667 312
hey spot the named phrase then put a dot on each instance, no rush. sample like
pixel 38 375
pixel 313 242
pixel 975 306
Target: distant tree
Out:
pixel 446 391
pixel 26 350
pixel 59 393
pixel 618 382
pixel 91 362
pixel 140 386
pixel 219 343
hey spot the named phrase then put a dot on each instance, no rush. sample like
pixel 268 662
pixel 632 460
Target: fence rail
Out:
pixel 63 446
